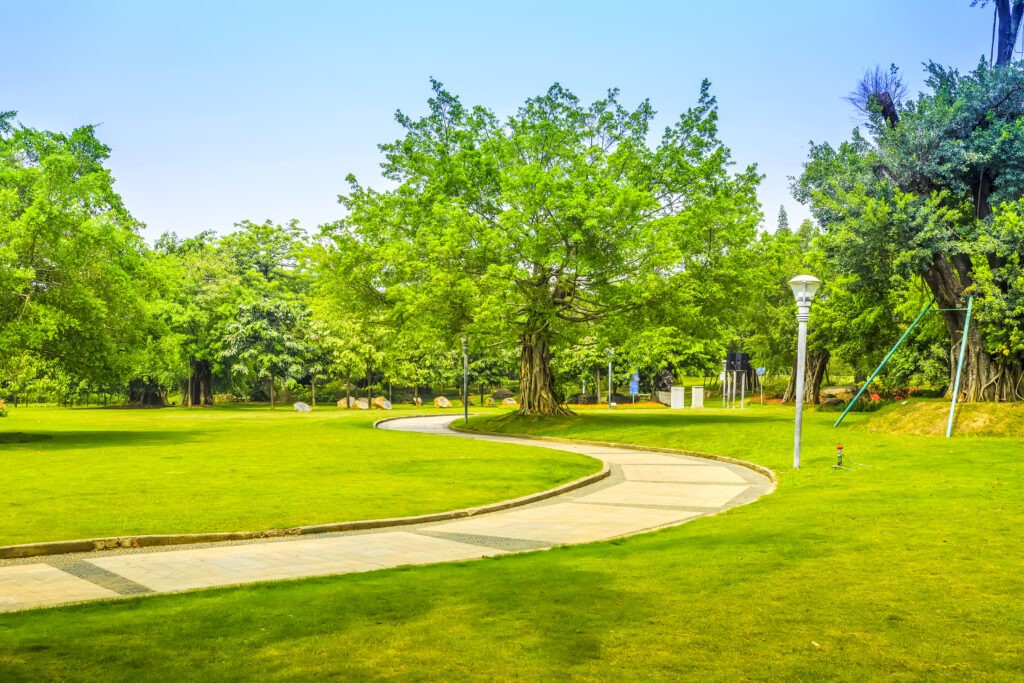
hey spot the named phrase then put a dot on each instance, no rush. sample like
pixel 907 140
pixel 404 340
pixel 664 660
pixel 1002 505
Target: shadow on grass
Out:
pixel 53 441
pixel 22 437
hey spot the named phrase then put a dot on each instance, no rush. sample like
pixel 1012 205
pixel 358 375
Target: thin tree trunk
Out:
pixel 271 392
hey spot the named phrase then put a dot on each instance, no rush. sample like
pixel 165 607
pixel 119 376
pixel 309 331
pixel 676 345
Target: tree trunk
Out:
pixel 985 377
pixel 200 383
pixel 271 392
pixel 536 383
pixel 145 393
pixel 1009 25
pixel 312 392
pixel 814 373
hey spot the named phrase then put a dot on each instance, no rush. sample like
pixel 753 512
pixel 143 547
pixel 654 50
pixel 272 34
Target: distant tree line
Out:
pixel 552 241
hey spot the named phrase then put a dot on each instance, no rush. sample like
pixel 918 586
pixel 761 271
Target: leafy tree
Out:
pixel 915 199
pixel 202 294
pixel 263 342
pixel 74 281
pixel 534 227
pixel 782 223
pixel 268 255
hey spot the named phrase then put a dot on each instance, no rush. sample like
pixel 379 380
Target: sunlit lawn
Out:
pixel 98 472
pixel 908 567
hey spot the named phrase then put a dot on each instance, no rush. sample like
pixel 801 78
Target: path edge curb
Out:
pixel 83 545
pixel 760 469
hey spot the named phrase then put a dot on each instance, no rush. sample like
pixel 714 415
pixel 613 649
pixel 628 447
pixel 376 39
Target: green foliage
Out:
pixel 914 202
pixel 264 342
pixel 545 223
pixel 74 280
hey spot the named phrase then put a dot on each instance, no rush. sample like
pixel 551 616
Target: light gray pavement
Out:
pixel 645 491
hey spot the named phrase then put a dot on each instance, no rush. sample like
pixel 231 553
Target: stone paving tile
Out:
pixel 685 473
pixel 37 585
pixel 656 493
pixel 566 522
pixel 645 458
pixel 227 565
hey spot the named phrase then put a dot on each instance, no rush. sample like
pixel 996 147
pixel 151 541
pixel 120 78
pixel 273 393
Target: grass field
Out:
pixel 86 473
pixel 907 567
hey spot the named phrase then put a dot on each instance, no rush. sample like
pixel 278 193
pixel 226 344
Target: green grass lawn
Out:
pixel 86 473
pixel 910 569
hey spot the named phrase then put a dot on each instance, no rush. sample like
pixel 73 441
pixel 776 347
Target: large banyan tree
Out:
pixel 525 229
pixel 934 191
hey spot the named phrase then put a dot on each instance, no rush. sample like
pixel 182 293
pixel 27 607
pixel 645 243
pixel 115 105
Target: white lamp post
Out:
pixel 804 287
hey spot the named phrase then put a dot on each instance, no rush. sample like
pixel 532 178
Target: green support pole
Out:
pixel 885 360
pixel 959 366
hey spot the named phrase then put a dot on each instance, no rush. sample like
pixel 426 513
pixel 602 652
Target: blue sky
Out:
pixel 222 111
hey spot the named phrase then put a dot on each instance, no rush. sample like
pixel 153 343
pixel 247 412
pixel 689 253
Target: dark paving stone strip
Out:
pixel 496 542
pixel 100 577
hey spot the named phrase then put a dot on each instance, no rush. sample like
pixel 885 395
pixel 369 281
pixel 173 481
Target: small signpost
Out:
pixel 760 382
pixel 634 385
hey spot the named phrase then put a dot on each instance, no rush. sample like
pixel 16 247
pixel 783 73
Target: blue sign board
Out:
pixel 760 371
pixel 634 384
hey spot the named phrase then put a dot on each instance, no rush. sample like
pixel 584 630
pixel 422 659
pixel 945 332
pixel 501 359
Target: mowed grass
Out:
pixel 908 567
pixel 87 473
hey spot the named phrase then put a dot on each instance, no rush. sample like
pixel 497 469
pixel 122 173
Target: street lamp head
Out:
pixel 804 287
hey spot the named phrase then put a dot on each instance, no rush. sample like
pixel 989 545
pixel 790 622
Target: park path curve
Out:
pixel 645 490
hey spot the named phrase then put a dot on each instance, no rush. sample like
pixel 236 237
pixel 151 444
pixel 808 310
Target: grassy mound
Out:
pixel 929 418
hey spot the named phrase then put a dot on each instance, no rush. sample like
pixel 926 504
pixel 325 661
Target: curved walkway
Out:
pixel 645 490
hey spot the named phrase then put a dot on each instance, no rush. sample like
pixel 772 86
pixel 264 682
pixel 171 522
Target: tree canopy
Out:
pixel 537 226
pixel 933 194
pixel 74 283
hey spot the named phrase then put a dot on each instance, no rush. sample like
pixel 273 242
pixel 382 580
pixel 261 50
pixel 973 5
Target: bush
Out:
pixel 861 406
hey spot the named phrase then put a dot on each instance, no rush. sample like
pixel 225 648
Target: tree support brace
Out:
pixel 886 360
pixel 959 366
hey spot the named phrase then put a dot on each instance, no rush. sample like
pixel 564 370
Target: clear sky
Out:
pixel 219 111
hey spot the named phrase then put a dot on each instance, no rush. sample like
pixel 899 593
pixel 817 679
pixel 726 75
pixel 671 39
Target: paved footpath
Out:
pixel 644 491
